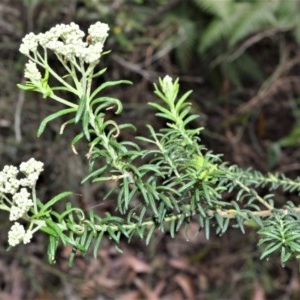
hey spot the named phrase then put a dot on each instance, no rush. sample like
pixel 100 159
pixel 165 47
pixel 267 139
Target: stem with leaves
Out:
pixel 161 185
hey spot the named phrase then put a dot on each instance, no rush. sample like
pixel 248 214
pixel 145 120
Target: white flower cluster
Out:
pixel 9 182
pixel 32 169
pixel 98 32
pixel 29 43
pixel 67 42
pixel 32 72
pixel 17 234
pixel 21 204
pixel 21 201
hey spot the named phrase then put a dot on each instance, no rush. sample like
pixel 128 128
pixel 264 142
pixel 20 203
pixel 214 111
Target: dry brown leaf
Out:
pixel 87 288
pixel 133 295
pixel 185 284
pixel 17 287
pixel 150 294
pixel 109 283
pixel 179 263
pixel 258 292
pixel 294 285
pixel 203 284
pixel 5 296
pixel 176 295
pixel 43 296
pixel 136 264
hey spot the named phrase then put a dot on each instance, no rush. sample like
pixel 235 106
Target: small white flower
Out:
pixel 98 32
pixel 31 166
pixel 29 44
pixel 93 53
pixel 15 213
pixel 167 83
pixel 8 179
pixel 2 181
pixel 32 72
pixel 16 234
pixel 30 180
pixel 27 237
pixel 22 200
pixel 169 88
pixel 57 46
pixel 10 171
pixel 32 169
pixel 10 187
pixel 60 36
pixel 25 182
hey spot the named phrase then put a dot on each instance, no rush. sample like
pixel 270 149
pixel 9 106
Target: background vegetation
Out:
pixel 241 58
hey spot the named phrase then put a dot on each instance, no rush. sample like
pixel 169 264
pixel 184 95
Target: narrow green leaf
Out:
pixel 27 87
pixel 53 117
pixel 108 84
pixel 207 228
pixel 55 199
pixel 113 234
pixel 52 247
pixel 188 120
pixel 99 73
pixel 150 234
pixel 165 113
pixel 85 125
pixel 172 228
pixel 294 246
pixel 77 138
pixel 83 237
pixel 206 193
pixel 270 249
pixel 94 174
pixel 181 102
pixel 184 113
pixel 80 109
pixel 180 221
pixel 106 103
pixel 270 234
pixel 141 216
pixel 97 244
pixel 58 231
pixel 285 255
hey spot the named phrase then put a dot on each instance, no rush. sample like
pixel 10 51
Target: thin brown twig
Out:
pixel 264 96
pixel 17 118
pixel 247 44
pixel 232 213
pixel 149 74
pixel 255 39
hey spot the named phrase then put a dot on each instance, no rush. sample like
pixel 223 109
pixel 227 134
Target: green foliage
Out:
pixel 235 20
pixel 218 33
pixel 292 139
pixel 181 180
pixel 161 180
pixel 233 24
pixel 281 234
pixel 223 31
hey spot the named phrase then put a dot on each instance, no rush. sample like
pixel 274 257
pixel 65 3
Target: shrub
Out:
pixel 172 179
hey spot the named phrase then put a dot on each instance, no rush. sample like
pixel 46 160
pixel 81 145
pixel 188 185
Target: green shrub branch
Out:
pixel 162 180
